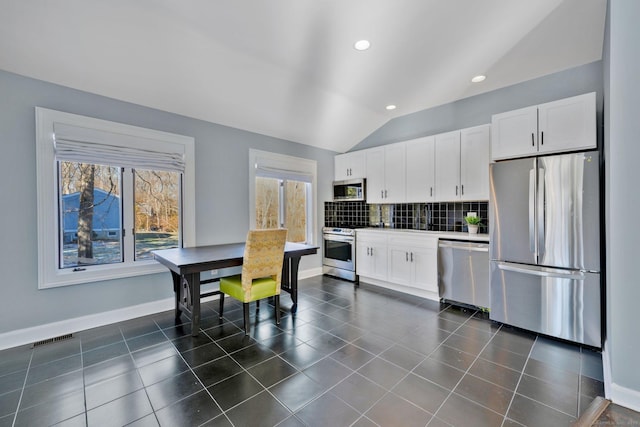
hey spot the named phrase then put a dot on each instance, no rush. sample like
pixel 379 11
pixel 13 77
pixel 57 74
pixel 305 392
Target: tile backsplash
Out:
pixel 447 216
pixel 346 214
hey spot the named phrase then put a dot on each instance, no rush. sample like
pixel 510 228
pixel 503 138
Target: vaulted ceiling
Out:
pixel 287 68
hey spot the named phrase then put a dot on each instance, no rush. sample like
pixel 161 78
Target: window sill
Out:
pixel 69 277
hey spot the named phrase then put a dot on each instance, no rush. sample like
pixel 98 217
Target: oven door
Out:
pixel 339 251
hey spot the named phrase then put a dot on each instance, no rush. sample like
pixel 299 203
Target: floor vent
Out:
pixel 50 340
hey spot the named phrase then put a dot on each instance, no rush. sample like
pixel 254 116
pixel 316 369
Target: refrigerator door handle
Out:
pixel 532 212
pixel 541 271
pixel 541 211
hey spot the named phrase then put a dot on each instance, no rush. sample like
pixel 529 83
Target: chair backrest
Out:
pixel 263 255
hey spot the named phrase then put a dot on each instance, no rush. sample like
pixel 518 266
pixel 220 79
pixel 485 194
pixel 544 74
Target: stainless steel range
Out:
pixel 339 252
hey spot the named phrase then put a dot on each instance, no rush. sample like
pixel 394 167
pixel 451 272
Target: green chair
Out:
pixel 261 272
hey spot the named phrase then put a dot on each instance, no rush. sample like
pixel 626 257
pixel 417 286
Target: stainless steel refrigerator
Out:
pixel 545 245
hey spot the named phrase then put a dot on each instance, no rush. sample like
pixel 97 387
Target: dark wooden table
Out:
pixel 186 264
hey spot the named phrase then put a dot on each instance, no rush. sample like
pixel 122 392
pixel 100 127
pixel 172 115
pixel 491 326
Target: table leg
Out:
pixel 294 263
pixel 193 280
pixel 176 291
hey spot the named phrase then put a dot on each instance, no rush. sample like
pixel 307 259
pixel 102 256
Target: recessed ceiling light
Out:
pixel 478 79
pixel 390 107
pixel 362 45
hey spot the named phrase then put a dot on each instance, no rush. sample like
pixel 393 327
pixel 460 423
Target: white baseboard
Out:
pixel 311 272
pixel 618 394
pixel 69 326
pixel 400 288
pixel 624 396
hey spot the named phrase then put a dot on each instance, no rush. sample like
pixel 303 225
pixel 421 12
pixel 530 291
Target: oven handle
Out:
pixel 336 238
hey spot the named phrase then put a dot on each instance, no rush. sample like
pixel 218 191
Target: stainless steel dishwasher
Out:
pixel 463 272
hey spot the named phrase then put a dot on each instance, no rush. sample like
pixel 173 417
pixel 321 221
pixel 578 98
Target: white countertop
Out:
pixel 481 237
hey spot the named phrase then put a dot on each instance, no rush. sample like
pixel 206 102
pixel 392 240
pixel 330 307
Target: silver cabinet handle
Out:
pixel 411 256
pixel 385 194
pixel 367 251
pixel 533 142
pixel 541 137
pixel 462 189
pixel 371 251
pixel 407 255
pixel 430 191
pixel 456 190
pixel 382 194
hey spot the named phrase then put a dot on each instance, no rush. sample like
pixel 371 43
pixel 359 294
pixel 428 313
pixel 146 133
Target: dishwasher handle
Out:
pixel 467 246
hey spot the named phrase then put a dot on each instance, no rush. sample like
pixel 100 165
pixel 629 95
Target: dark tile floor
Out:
pixel 350 356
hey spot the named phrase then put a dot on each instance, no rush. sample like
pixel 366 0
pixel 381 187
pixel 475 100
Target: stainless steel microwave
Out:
pixel 351 190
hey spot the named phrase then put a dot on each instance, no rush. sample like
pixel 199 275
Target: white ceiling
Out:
pixel 287 68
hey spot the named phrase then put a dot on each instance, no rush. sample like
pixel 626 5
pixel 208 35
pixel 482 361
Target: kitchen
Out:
pixel 519 230
pixel 212 166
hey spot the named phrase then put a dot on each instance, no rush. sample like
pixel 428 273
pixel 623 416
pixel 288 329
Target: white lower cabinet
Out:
pixel 403 261
pixel 371 255
pixel 413 261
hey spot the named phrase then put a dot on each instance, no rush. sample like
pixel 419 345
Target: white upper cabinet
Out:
pixel 349 166
pixel 451 166
pixel 514 133
pixel 565 125
pixel 375 174
pixel 568 124
pixel 386 173
pixel 462 164
pixel 474 163
pixel 395 173
pixel 420 170
pixel 447 148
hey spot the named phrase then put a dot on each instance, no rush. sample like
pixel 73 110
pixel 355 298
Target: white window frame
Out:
pixel 289 166
pixel 50 275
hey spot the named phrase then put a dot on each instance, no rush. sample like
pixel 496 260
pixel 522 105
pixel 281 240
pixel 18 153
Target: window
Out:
pixel 282 191
pixel 108 195
pixel 156 210
pixel 90 217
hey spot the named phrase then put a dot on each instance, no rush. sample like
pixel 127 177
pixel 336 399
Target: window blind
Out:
pixel 78 144
pixel 267 167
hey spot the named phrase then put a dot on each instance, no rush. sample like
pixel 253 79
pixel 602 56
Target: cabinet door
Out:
pixel 420 170
pixel 349 166
pixel 425 268
pixel 447 166
pixel 394 173
pixel 414 261
pixel 375 175
pixel 399 265
pixel 371 256
pixel 568 124
pixel 379 255
pixel 364 263
pixel 474 163
pixel 341 167
pixel 514 133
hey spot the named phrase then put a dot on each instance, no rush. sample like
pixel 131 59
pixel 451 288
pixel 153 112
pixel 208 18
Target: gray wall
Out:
pixel 622 134
pixel 477 110
pixel 222 193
